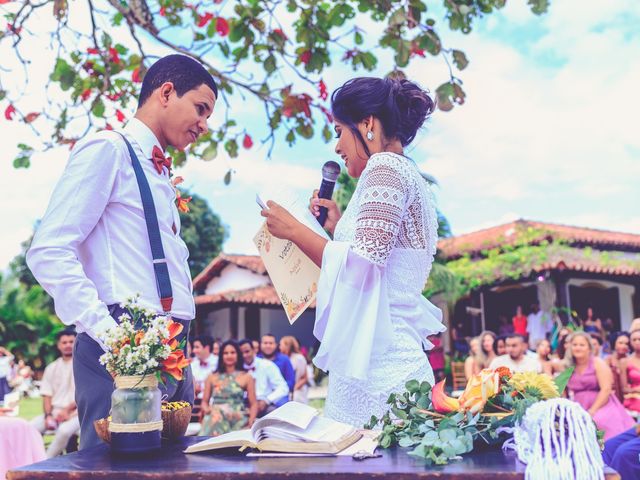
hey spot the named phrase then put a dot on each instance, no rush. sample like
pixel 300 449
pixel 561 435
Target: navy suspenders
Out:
pixel 160 267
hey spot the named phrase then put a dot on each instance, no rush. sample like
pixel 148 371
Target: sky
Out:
pixel 548 132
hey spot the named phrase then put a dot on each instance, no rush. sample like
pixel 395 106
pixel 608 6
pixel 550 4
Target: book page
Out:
pixel 321 429
pixel 295 414
pixel 232 439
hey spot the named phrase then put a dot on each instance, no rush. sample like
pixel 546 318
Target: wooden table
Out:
pixel 171 463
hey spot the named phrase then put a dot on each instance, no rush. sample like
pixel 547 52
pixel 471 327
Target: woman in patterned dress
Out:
pixel 223 399
pixel 371 317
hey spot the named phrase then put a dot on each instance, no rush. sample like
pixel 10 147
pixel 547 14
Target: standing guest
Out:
pixel 622 453
pixel 271 388
pixel 58 397
pixel 487 341
pixel 630 374
pixel 436 356
pixel 543 351
pixel 515 358
pixel 621 348
pixel 539 324
pixel 5 371
pixel 591 324
pixel 290 347
pixel 591 386
pixel 505 328
pixel 475 361
pixel 224 392
pixel 204 362
pixel 460 345
pixel 100 243
pixel 269 351
pixel 500 346
pixel 519 322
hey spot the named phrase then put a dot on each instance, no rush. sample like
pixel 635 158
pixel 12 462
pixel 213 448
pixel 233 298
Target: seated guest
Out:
pixel 20 443
pixel 635 324
pixel 591 386
pixel 475 361
pixel 622 452
pixel 271 388
pixel 290 347
pixel 58 397
pixel 269 351
pixel 6 358
pixel 543 351
pixel 505 327
pixel 224 391
pixel 621 344
pixel 630 375
pixel 487 340
pixel 204 362
pixel 516 359
pixel 500 347
pixel 256 346
pixel 597 342
pixel 559 358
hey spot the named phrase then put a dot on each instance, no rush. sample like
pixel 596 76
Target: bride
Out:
pixel 371 316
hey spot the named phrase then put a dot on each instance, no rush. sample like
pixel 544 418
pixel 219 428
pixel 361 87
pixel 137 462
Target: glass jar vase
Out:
pixel 136 417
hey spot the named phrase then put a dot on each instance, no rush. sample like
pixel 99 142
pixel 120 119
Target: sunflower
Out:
pixel 535 383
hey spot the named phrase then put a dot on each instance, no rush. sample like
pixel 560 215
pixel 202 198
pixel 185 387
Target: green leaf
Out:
pixel 406 442
pixel 227 177
pixel 270 64
pixel 460 59
pixel 425 387
pixel 210 152
pixel 231 146
pixel 357 38
pixel 412 386
pixel 98 108
pixel 562 379
pixel 448 435
pixel 117 19
pixel 398 17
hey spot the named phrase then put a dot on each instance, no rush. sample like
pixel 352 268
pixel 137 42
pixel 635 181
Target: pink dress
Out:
pixel 20 444
pixel 611 417
pixel 632 401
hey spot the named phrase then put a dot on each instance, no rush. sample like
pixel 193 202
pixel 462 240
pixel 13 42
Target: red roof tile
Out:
pixel 250 262
pixel 475 242
pixel 265 295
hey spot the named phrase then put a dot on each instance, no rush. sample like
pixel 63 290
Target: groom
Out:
pixel 97 245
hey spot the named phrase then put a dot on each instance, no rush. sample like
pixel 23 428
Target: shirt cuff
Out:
pixel 101 327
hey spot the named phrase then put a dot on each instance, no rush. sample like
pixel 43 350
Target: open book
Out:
pixel 294 427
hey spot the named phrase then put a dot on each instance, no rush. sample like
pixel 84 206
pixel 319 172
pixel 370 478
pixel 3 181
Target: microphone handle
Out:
pixel 326 192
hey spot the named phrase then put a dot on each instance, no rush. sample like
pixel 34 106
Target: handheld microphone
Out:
pixel 330 173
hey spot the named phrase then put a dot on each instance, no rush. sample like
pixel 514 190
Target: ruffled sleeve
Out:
pixel 352 305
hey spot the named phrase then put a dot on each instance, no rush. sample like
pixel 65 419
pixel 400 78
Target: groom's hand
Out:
pixel 280 222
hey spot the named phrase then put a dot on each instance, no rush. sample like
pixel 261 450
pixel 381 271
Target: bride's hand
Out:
pixel 280 222
pixel 333 212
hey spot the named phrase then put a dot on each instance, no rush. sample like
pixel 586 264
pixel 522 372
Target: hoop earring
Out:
pixel 370 136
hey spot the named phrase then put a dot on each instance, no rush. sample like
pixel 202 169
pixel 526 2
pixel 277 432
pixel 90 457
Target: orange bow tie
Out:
pixel 159 160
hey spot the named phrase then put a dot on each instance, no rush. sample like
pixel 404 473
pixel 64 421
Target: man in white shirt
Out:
pixel 94 248
pixel 539 324
pixel 204 362
pixel 515 358
pixel 58 397
pixel 272 390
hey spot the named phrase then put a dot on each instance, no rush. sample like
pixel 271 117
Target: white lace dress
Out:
pixel 371 316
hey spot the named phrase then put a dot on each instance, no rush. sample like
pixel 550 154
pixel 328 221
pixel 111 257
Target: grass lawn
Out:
pixel 30 408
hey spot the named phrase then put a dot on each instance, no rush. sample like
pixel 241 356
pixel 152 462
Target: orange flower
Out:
pixel 138 337
pixel 174 364
pixel 441 402
pixel 503 372
pixel 174 330
pixel 182 202
pixel 480 388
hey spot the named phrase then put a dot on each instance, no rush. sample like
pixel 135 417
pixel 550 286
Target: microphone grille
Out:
pixel 330 171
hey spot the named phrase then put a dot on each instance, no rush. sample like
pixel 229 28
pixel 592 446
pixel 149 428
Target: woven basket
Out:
pixel 174 424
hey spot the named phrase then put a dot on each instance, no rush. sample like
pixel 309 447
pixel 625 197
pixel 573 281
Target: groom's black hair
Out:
pixel 184 72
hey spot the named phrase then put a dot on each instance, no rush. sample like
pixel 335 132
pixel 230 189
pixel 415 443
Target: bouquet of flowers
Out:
pixel 440 428
pixel 144 343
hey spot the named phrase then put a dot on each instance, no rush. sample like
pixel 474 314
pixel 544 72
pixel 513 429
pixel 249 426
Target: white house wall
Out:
pixel 233 277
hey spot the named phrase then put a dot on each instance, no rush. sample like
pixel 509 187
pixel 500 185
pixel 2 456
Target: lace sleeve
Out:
pixel 383 200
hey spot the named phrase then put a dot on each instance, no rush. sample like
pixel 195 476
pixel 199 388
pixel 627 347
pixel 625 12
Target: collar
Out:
pixel 143 136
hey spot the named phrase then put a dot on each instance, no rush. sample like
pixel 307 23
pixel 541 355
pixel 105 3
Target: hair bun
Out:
pixel 414 105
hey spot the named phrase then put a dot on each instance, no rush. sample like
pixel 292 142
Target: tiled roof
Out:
pixel 265 295
pixel 250 262
pixel 475 242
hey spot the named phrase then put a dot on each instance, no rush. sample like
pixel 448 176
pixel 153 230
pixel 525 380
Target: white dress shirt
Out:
pixel 92 248
pixel 527 364
pixel 201 370
pixel 538 325
pixel 270 384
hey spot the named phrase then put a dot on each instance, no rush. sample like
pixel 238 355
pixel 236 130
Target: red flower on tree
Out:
pixel 222 27
pixel 135 75
pixel 247 142
pixel 93 51
pixel 305 57
pixel 108 127
pixel 114 56
pixel 278 31
pixel 323 90
pixel 30 117
pixel 204 19
pixel 163 11
pixel 9 112
pixel 120 116
pixel 85 94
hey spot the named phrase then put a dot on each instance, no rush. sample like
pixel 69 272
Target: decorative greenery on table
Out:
pixel 440 428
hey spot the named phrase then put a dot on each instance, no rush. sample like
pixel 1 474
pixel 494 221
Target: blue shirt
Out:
pixel 286 368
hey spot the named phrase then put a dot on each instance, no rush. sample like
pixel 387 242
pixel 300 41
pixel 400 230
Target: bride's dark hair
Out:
pixel 399 104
